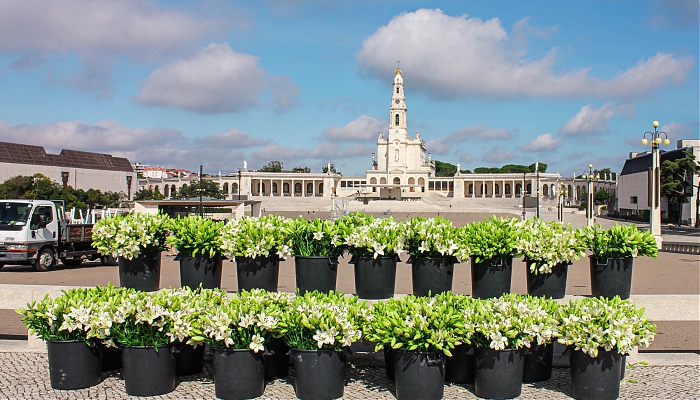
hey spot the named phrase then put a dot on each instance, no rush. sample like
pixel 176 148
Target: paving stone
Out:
pixel 25 375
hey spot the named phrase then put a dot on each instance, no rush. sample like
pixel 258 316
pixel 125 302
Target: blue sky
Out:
pixel 487 83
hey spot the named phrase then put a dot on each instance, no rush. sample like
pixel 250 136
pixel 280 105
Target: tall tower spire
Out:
pixel 398 129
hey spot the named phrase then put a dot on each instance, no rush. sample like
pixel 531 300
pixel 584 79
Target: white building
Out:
pixel 633 187
pixel 77 169
pixel 400 169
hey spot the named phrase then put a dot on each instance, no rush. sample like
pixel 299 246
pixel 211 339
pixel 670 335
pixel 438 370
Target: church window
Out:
pixel 397 89
pixel 396 155
pixel 396 120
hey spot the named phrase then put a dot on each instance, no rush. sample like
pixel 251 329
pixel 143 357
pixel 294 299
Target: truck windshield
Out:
pixel 13 216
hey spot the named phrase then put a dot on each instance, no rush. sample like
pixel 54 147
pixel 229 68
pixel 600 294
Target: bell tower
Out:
pixel 398 128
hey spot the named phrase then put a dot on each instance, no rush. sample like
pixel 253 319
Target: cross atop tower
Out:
pixel 398 67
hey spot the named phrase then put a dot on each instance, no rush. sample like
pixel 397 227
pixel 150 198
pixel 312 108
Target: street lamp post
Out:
pixel 654 176
pixel 522 194
pixel 589 194
pixel 239 183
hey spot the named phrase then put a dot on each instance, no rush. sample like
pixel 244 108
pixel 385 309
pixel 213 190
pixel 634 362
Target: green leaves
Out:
pixel 495 237
pixel 620 241
pixel 196 235
pixel 256 236
pixel 591 324
pixel 429 237
pixel 128 235
pixel 316 238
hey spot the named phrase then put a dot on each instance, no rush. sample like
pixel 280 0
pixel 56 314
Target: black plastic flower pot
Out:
pixel 238 373
pixel 315 273
pixel 190 359
pixel 389 363
pixel 111 358
pixel 74 364
pixel 611 277
pixel 276 359
pixel 375 278
pixel 595 377
pixel 460 367
pixel 432 276
pixel 552 285
pixel 318 374
pixel 491 277
pixel 623 366
pixel 140 273
pixel 148 371
pixel 538 363
pixel 200 270
pixel 419 374
pixel 258 273
pixel 498 374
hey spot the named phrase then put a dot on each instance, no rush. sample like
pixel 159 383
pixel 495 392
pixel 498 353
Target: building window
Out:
pixel 396 120
pixel 396 155
pixel 633 199
pixel 397 89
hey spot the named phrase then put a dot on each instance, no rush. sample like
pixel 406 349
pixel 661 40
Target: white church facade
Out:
pixel 401 169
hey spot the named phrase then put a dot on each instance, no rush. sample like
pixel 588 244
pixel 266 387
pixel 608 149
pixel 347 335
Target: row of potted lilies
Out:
pixel 497 343
pixel 433 245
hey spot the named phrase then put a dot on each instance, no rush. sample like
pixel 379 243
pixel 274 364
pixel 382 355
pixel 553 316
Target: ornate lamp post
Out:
pixel 239 183
pixel 589 177
pixel 654 194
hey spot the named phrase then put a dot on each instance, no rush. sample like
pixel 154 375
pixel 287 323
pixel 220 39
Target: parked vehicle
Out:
pixel 34 232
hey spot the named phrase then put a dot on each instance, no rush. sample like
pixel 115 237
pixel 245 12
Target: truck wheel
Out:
pixel 72 261
pixel 44 260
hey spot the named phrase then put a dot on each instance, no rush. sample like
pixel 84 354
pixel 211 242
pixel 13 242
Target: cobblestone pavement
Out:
pixel 26 376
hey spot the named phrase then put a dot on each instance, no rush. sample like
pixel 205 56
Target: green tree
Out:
pixel 301 170
pixel 272 166
pixel 208 189
pixel 542 166
pixel 444 169
pixel 676 178
pixel 514 168
pixel 147 194
pixel 324 169
pixel 601 196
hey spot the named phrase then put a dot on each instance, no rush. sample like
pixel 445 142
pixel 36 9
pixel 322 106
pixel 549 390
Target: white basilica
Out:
pixel 401 169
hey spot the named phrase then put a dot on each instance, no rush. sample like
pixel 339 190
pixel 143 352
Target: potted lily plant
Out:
pixel 614 250
pixel 238 330
pixel 137 240
pixel 256 244
pixel 318 327
pixel 144 326
pixel 491 244
pixel 316 245
pixel 504 328
pixel 419 332
pixel 198 241
pixel 599 332
pixel 537 365
pixel 549 248
pixel 68 325
pixel 432 246
pixel 375 249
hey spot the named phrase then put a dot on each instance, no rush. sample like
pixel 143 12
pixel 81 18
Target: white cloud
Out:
pixel 543 142
pixel 443 144
pixel 216 80
pixel 592 120
pixel 497 155
pixel 99 32
pixel 454 57
pixel 676 131
pixel 233 138
pixel 361 129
